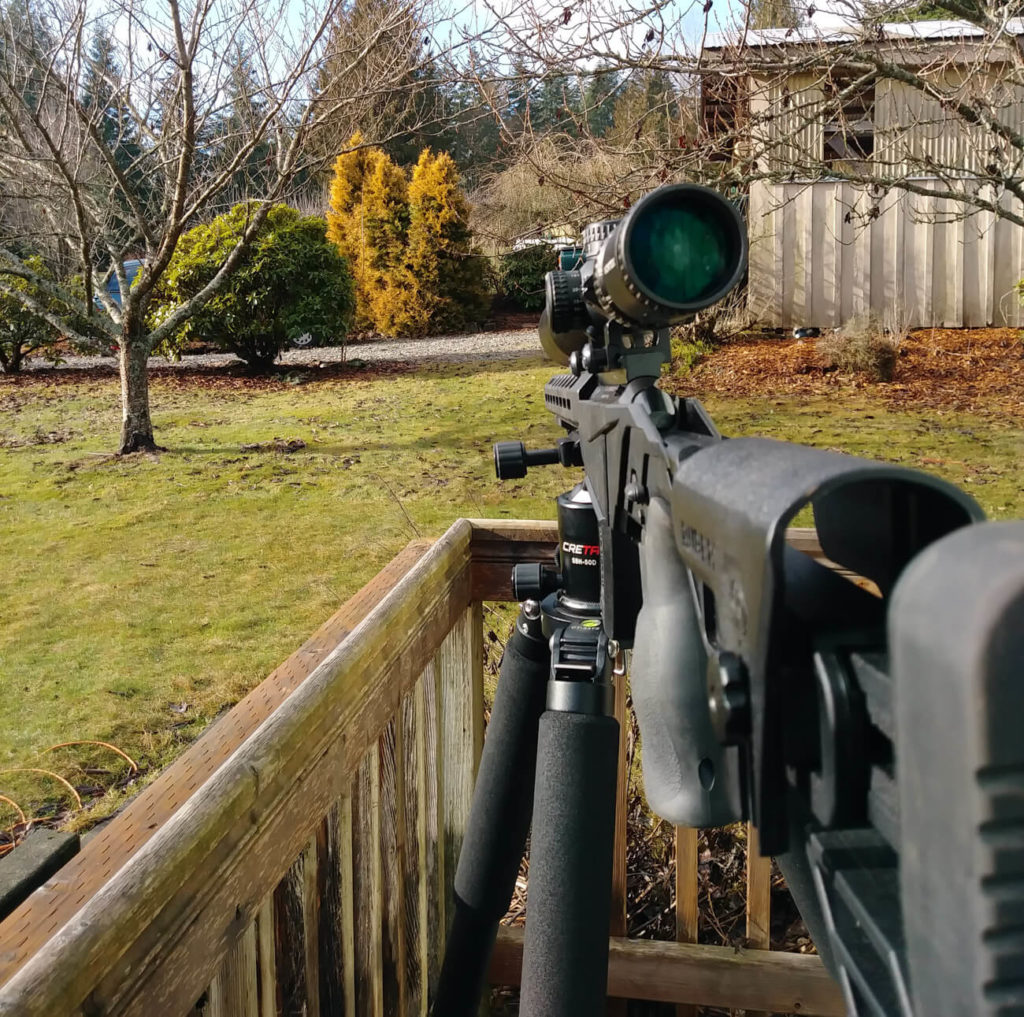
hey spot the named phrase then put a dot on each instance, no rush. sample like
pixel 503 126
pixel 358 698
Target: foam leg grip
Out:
pixel 499 821
pixel 565 956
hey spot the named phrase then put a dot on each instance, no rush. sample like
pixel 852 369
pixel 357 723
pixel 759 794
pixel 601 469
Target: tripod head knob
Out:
pixel 532 581
pixel 512 459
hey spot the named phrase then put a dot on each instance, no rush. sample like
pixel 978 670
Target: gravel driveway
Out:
pixel 464 346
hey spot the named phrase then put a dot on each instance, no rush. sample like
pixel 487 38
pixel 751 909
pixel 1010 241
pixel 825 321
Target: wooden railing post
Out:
pixel 759 885
pixel 686 897
pixel 460 675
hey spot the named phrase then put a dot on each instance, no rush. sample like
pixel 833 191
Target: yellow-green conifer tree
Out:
pixel 441 286
pixel 368 219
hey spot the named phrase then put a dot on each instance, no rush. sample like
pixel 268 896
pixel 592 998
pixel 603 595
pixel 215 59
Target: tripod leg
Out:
pixel 565 958
pixel 499 820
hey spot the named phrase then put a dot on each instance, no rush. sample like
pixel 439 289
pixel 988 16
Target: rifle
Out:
pixel 875 736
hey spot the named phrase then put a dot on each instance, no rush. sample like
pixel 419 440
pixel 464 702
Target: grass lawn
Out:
pixel 143 596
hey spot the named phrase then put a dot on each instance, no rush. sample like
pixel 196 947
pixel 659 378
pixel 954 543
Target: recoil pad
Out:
pixel 689 779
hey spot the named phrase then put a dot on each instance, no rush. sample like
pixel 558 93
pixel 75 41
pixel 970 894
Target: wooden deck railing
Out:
pixel 298 859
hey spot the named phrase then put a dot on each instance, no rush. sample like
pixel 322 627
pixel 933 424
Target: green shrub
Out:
pixel 861 345
pixel 23 333
pixel 520 276
pixel 292 280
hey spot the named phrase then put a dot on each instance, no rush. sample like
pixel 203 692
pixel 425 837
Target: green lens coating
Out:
pixel 682 251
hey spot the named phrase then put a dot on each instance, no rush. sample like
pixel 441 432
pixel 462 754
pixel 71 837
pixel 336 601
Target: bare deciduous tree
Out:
pixel 110 156
pixel 864 93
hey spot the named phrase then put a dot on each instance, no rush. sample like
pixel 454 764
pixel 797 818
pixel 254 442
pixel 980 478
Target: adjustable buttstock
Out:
pixel 689 778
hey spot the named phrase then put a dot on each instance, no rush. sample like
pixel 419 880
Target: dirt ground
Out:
pixel 975 370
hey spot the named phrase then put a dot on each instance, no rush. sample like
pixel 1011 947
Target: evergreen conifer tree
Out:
pixel 441 286
pixel 368 220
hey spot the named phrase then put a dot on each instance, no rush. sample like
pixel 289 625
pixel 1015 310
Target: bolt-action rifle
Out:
pixel 872 730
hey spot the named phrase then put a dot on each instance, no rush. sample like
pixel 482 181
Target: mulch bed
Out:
pixel 973 370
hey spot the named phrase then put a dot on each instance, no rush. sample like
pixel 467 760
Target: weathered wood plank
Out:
pixel 311 923
pixel 366 889
pixel 266 972
pixel 26 930
pixel 686 897
pixel 211 1002
pixel 392 853
pixel 759 885
pixel 239 977
pixel 720 976
pixel 346 841
pixel 415 920
pixel 291 937
pixel 153 936
pixel 330 934
pixel 289 944
pixel 459 667
pixel 433 873
pixel 761 232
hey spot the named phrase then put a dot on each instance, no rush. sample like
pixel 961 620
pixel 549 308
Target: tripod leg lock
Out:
pixel 580 667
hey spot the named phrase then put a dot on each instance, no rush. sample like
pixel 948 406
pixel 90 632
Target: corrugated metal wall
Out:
pixel 826 251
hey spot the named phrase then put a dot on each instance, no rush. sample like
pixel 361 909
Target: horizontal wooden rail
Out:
pixel 153 936
pixel 721 976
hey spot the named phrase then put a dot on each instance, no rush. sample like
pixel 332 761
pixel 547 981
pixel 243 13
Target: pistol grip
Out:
pixel 689 779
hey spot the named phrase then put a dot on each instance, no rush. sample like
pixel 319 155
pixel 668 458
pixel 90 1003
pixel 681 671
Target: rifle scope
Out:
pixel 678 250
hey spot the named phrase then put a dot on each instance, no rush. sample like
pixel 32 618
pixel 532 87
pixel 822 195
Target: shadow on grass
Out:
pixel 239 376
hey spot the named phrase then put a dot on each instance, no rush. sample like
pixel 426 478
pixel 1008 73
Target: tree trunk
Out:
pixel 136 427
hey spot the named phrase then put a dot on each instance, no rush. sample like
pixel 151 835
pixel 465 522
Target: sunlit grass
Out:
pixel 141 597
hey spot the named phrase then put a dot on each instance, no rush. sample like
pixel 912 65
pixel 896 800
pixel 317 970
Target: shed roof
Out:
pixel 834 29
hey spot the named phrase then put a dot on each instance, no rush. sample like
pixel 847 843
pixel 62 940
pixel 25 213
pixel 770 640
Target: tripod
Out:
pixel 551 751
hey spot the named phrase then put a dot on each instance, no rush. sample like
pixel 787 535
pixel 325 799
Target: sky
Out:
pixel 623 28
